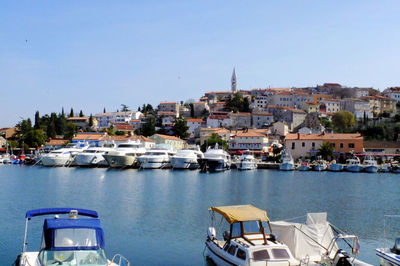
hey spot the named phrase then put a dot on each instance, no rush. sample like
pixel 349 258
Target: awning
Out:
pixel 241 213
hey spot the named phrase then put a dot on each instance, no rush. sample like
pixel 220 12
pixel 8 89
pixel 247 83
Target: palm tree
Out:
pixel 325 150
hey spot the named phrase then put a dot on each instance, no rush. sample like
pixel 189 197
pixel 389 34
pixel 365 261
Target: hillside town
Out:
pixel 257 120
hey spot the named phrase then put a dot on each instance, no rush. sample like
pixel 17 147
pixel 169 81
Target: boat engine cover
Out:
pixel 396 247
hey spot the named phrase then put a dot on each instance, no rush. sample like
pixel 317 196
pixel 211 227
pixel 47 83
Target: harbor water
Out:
pixel 160 217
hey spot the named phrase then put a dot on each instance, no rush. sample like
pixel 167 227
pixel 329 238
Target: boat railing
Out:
pixel 119 260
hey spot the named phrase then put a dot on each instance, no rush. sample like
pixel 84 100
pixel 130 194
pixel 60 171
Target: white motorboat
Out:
pixel 318 242
pixel 186 159
pixel 320 165
pixel 353 165
pixel 385 168
pixel 389 256
pixel 287 163
pixel 335 167
pixel 370 165
pixel 215 159
pixel 156 158
pixel 63 156
pixel 93 156
pixel 304 166
pixel 125 154
pixel 247 162
pixel 245 243
pixel 68 241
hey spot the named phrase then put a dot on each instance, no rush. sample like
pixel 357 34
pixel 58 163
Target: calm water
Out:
pixel 160 217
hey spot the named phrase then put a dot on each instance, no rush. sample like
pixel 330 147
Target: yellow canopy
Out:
pixel 241 213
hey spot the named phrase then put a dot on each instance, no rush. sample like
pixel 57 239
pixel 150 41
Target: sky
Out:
pixel 90 55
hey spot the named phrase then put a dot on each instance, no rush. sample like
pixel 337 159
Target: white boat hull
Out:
pixel 371 169
pixel 247 166
pixel 55 161
pixel 320 167
pixel 184 163
pixel 286 167
pixel 90 160
pixel 387 258
pixel 120 161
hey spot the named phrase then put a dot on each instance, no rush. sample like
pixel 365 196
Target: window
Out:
pixel 280 253
pixel 232 250
pixel 251 227
pixel 313 145
pixel 303 144
pixel 241 254
pixel 351 145
pixel 333 145
pixel 293 145
pixel 341 145
pixel 261 255
pixel 236 230
pixel 74 237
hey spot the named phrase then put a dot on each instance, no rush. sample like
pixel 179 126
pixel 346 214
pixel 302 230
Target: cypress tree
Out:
pixel 37 120
pixel 90 120
pixel 104 110
pixel 81 114
pixel 71 114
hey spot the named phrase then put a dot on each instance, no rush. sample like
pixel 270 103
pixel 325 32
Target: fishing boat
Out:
pixel 370 165
pixel 385 168
pixel 395 166
pixel 245 243
pixel 215 160
pixel 247 162
pixel 287 163
pixel 156 158
pixel 320 165
pixel 389 256
pixel 304 166
pixel 125 154
pixel 186 159
pixel 353 165
pixel 68 241
pixel 317 241
pixel 335 167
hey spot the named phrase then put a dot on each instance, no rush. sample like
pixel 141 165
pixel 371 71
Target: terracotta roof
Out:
pixel 284 93
pixel 123 126
pixel 297 111
pixel 381 144
pixel 168 137
pixel 214 130
pixel 198 120
pixel 332 84
pixel 165 113
pixel 218 92
pixel 318 136
pixel 135 120
pixel 219 103
pixel 249 133
pixel 56 142
pixel 199 102
pixel 168 102
pixel 262 114
pixel 134 137
pixel 218 117
pixel 331 100
pixel 240 114
pixel 89 136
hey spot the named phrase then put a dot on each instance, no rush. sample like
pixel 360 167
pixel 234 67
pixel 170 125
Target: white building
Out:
pixel 393 93
pixel 261 119
pixel 217 121
pixel 358 108
pixel 331 105
pixel 106 119
pixel 193 124
pixel 248 140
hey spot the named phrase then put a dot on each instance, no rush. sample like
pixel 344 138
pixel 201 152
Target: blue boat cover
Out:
pixel 52 224
pixel 47 211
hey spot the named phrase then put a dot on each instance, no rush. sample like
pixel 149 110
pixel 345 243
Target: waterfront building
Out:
pixel 358 107
pixel 193 124
pixel 91 138
pixel 382 147
pixel 52 144
pixel 3 142
pixel 217 121
pixel 106 119
pixel 261 119
pixel 205 134
pixel 173 141
pixel 307 145
pixel 248 140
pixel 240 119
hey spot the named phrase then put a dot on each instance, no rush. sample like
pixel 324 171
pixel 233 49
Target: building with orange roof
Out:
pixel 147 142
pixel 124 127
pixel 173 141
pixel 381 104
pixel 217 121
pixel 330 105
pixel 248 140
pixel 52 144
pixel 205 134
pixel 106 119
pixel 307 145
pixel 194 124
pixel 92 138
pixel 217 106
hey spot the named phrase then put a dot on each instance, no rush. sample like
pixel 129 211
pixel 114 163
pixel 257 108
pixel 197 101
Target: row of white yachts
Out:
pixel 133 154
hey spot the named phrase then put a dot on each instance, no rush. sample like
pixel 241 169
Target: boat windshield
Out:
pixel 73 257
pixel 154 153
pixel 128 146
pixel 249 227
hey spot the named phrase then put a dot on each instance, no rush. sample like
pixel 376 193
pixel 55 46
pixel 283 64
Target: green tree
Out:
pixel 191 106
pixel 214 139
pixel 35 138
pixel 104 110
pixel 124 108
pixel 326 150
pixel 180 127
pixel 91 122
pixel 60 123
pixel 81 114
pixel 71 114
pixel 70 131
pixel 111 130
pixel 343 121
pixel 51 130
pixel 237 103
pixel 37 120
pixel 149 127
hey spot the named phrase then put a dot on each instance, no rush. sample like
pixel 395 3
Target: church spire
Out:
pixel 234 82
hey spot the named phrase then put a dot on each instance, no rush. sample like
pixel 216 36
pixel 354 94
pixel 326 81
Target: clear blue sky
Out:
pixel 93 54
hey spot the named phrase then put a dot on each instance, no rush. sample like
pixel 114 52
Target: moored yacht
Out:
pixel 68 241
pixel 287 163
pixel 370 165
pixel 156 158
pixel 247 162
pixel 389 256
pixel 215 159
pixel 62 157
pixel 304 166
pixel 385 168
pixel 125 154
pixel 186 159
pixel 320 165
pixel 353 165
pixel 93 156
